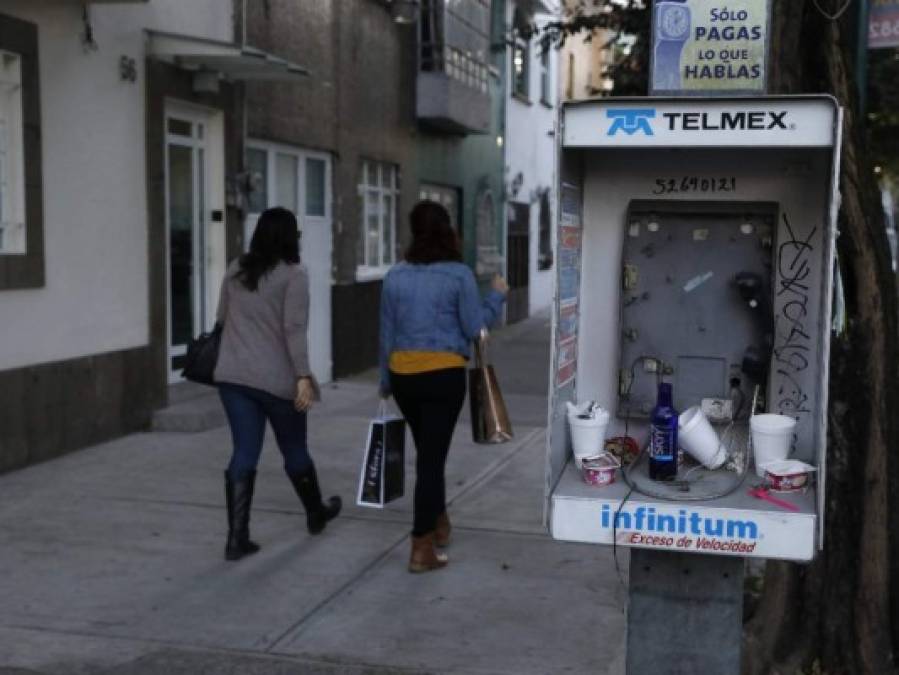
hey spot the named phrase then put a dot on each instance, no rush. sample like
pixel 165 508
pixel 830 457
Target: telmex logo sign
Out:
pixel 642 120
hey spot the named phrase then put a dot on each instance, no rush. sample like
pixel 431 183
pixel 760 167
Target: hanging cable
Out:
pixel 832 17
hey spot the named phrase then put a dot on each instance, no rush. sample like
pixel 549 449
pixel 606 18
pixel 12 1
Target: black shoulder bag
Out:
pixel 202 355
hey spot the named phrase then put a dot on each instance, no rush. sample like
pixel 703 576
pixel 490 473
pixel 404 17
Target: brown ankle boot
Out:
pixel 424 558
pixel 442 531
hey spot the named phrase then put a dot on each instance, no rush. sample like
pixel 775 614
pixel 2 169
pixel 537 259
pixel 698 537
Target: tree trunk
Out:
pixel 840 614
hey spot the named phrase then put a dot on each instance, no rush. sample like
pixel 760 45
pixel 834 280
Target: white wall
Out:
pixel 530 151
pixel 94 179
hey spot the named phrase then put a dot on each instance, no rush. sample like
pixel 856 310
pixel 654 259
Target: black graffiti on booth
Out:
pixel 793 342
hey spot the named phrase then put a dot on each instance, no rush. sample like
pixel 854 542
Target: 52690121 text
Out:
pixel 668 186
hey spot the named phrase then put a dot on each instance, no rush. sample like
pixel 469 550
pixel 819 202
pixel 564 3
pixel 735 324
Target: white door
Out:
pixel 195 247
pixel 300 180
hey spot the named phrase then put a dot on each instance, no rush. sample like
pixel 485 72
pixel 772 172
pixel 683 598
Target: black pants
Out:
pixel 431 403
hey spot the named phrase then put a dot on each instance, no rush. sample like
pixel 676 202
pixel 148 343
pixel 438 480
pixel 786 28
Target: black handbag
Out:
pixel 202 355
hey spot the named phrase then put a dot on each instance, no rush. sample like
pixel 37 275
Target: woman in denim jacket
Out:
pixel 431 310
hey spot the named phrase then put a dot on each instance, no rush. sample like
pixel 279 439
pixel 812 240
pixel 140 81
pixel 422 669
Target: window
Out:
pixel 455 40
pixel 521 56
pixel 315 186
pixel 448 197
pixel 545 247
pixel 545 77
pixel 287 176
pixel 379 189
pixel 12 165
pixel 21 170
pixel 489 255
pixel 257 165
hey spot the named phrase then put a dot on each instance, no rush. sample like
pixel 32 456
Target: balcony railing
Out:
pixel 453 80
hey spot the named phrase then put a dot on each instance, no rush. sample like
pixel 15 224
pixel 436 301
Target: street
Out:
pixel 112 557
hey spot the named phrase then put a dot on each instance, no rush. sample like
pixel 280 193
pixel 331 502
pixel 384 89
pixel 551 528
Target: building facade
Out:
pixel 394 112
pixel 140 141
pixel 530 167
pixel 339 150
pixel 461 123
pixel 122 201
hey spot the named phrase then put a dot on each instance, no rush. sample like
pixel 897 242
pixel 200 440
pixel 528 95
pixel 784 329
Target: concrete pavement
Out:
pixel 111 558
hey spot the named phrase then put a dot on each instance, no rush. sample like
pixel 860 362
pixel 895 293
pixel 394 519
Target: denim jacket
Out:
pixel 435 307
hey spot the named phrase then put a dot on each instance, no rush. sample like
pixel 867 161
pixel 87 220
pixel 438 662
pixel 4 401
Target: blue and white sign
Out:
pixel 709 47
pixel 686 527
pixel 692 122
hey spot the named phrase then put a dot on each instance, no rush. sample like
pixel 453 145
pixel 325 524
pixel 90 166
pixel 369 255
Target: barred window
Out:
pixel 455 40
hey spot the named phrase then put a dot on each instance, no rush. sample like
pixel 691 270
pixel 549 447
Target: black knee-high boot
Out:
pixel 318 514
pixel 239 497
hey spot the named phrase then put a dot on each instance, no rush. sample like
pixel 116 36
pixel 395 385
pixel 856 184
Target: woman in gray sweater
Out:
pixel 263 373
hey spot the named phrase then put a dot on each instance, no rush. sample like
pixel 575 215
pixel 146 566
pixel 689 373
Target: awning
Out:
pixel 233 61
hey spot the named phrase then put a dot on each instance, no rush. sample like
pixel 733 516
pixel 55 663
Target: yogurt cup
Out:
pixel 599 470
pixel 788 475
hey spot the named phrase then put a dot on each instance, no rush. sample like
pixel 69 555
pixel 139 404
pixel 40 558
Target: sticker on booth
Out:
pixel 883 24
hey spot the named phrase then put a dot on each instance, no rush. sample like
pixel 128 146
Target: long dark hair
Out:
pixel 433 236
pixel 275 239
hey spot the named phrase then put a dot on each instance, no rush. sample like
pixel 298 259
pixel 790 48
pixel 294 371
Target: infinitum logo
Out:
pixel 630 121
pixel 687 530
pixel 645 519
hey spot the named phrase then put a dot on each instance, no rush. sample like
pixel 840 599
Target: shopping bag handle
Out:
pixel 480 348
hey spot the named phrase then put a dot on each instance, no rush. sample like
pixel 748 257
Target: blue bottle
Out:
pixel 663 437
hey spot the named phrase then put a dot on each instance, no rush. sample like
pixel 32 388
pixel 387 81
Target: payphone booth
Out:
pixel 695 247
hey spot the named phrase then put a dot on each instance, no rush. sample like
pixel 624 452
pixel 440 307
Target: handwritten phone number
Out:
pixel 667 186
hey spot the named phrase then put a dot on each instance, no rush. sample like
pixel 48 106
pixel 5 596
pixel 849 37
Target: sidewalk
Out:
pixel 111 558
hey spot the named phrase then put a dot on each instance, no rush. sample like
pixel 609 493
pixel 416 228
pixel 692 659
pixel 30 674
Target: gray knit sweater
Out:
pixel 264 340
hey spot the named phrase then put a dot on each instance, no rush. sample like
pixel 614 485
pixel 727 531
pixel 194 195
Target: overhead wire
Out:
pixel 832 17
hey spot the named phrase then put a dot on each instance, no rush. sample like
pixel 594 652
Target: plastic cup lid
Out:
pixel 605 460
pixel 787 467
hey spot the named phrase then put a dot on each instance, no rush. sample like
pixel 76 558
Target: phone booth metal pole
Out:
pixel 695 247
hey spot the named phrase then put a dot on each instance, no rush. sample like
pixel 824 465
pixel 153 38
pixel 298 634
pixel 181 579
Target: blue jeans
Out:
pixel 247 410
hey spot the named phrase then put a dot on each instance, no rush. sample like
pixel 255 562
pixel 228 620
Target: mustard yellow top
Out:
pixel 410 363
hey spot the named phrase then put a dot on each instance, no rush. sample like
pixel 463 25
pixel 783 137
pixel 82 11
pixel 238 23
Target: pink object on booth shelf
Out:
pixel 762 493
pixel 600 470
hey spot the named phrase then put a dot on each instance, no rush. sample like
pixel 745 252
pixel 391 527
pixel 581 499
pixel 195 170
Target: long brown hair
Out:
pixel 433 236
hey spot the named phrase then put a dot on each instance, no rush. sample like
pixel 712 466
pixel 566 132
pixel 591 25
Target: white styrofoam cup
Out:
pixel 772 437
pixel 588 436
pixel 696 435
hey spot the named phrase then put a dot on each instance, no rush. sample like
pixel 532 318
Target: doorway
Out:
pixel 195 226
pixel 300 180
pixel 518 250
